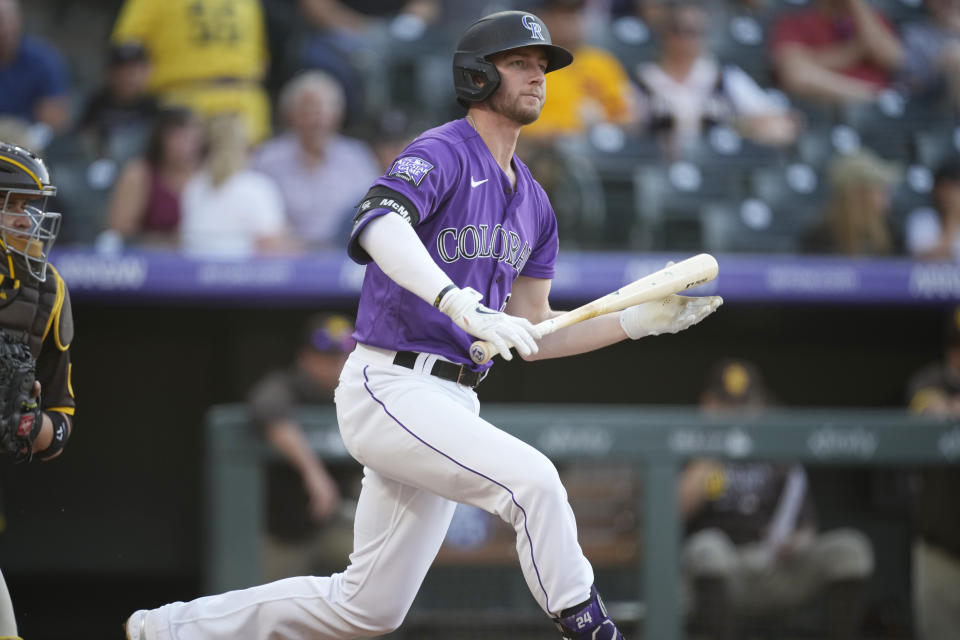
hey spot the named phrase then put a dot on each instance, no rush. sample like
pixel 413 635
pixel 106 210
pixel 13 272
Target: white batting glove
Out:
pixel 667 315
pixel 501 330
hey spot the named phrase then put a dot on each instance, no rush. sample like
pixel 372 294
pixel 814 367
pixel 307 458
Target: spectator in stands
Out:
pixel 687 90
pixel 752 546
pixel 227 209
pixel 856 220
pixel 931 59
pixel 210 56
pixel 305 533
pixel 836 51
pixel 117 118
pixel 340 32
pixel 312 163
pixel 33 79
pixel 144 206
pixel 594 89
pixel 934 233
pixel 935 392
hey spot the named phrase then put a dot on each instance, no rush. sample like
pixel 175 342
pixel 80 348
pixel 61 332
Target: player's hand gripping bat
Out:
pixel 659 284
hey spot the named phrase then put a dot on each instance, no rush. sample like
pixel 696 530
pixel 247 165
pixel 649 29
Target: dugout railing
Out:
pixel 656 439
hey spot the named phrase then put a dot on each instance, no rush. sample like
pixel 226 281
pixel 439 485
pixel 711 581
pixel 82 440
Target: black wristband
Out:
pixel 442 293
pixel 61 431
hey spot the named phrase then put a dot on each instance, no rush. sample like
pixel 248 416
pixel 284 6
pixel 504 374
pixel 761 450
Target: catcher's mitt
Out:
pixel 20 415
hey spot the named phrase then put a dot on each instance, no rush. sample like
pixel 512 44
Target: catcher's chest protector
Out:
pixel 29 314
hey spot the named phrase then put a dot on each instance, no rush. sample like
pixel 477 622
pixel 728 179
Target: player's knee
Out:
pixel 386 618
pixel 541 478
pixel 709 553
pixel 847 554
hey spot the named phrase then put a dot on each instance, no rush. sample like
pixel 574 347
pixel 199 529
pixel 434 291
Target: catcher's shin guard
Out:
pixel 588 621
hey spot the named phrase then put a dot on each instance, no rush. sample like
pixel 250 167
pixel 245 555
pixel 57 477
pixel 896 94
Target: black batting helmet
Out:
pixel 495 33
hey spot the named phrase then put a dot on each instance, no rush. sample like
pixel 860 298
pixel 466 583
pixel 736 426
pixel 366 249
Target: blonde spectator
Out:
pixel 856 219
pixel 595 88
pixel 209 55
pixel 144 206
pixel 230 211
pixel 321 174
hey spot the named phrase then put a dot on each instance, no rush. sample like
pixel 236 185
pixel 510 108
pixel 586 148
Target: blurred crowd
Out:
pixel 254 126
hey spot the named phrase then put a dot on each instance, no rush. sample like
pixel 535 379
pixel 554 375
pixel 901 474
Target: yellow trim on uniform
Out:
pixel 70 380
pixel 54 319
pixel 67 410
pixel 39 186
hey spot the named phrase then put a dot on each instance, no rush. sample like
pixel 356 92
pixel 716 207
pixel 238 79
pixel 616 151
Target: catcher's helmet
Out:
pixel 26 227
pixel 495 33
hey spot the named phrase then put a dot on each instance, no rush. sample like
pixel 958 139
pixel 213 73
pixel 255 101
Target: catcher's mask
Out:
pixel 26 227
pixel 496 33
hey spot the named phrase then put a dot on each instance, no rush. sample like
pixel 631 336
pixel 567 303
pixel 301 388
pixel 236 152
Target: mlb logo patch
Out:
pixel 411 168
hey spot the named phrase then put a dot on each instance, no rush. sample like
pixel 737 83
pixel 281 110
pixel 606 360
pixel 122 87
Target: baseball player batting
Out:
pixel 460 243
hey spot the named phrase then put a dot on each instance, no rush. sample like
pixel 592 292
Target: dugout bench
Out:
pixel 656 439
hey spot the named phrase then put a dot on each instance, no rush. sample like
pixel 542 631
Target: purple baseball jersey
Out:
pixel 476 227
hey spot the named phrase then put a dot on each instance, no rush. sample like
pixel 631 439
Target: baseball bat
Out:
pixel 659 284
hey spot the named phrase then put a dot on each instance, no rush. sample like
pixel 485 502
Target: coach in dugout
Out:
pixel 935 391
pixel 305 535
pixel 752 547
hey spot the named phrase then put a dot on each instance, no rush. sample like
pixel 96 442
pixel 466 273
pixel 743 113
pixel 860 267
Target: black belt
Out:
pixel 459 373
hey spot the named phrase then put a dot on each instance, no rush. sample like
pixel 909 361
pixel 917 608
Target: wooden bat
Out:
pixel 659 284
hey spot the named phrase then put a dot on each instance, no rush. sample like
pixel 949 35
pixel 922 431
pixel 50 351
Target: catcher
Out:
pixel 36 325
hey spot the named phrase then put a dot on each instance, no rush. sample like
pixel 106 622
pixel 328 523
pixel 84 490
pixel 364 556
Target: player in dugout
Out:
pixel 36 326
pixel 460 243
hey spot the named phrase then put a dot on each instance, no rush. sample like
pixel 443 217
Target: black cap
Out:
pixel 125 52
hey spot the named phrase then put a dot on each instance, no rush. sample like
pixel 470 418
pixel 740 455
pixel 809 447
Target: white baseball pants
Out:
pixel 424 448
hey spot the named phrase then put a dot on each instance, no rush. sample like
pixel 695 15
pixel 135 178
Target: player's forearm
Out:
pixel 399 252
pixel 582 337
pixel 45 439
pixel 879 43
pixel 289 439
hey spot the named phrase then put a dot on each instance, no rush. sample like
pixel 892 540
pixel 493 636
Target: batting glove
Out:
pixel 668 315
pixel 501 330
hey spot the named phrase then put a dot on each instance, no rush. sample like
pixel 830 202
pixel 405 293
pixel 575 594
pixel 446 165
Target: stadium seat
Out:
pixel 742 42
pixel 628 38
pixel 751 225
pixel 722 145
pixel 887 125
pixel 614 157
pixel 913 192
pixel 900 11
pixel 669 200
pixel 817 145
pixel 936 144
pixel 796 185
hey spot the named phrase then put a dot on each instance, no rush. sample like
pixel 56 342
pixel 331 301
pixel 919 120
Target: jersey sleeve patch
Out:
pixel 413 169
